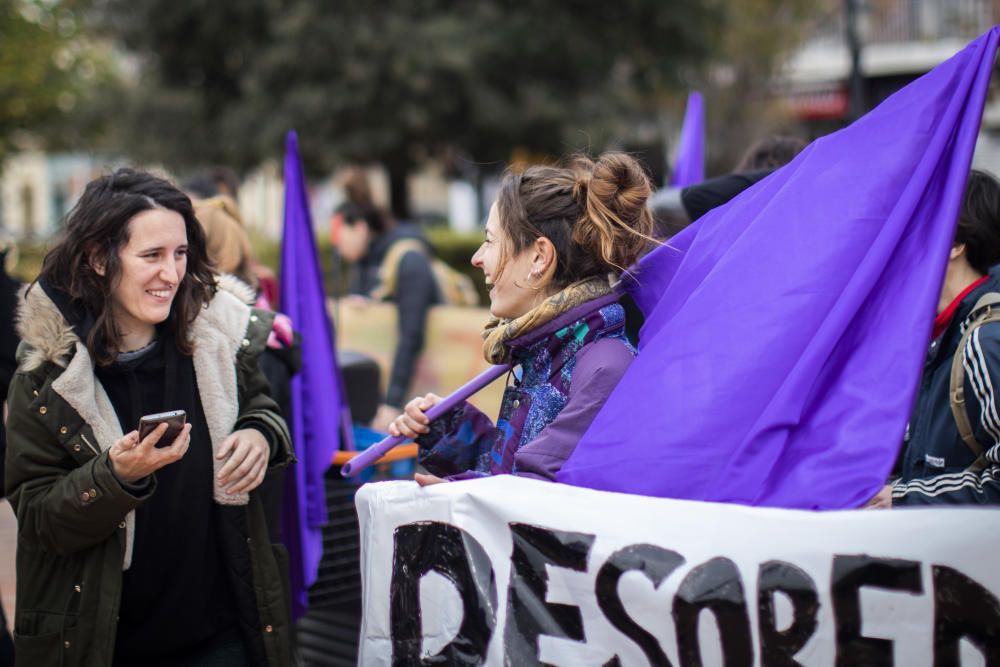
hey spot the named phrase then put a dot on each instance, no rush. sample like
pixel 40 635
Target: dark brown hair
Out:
pixel 360 205
pixel 593 212
pixel 979 221
pixel 771 153
pixel 97 229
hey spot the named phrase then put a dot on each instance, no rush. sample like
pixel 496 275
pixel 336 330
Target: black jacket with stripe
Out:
pixel 936 457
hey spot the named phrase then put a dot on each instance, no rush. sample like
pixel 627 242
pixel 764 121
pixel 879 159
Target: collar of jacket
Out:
pixel 543 332
pixel 223 329
pixel 591 320
pixel 953 333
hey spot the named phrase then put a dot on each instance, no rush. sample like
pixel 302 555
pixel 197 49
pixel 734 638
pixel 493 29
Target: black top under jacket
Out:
pixel 175 595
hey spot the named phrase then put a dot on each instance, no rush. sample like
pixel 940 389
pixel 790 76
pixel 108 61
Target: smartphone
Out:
pixel 174 420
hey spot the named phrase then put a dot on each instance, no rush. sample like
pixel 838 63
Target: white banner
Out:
pixel 511 571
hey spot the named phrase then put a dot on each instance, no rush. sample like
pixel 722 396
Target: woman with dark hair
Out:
pixel 554 240
pixel 133 551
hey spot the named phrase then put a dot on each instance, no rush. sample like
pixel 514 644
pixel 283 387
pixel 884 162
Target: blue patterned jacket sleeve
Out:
pixel 458 443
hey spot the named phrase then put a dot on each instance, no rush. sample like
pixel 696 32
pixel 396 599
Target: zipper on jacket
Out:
pixel 87 442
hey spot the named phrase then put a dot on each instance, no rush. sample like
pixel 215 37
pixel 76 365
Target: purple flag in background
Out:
pixel 316 397
pixel 689 166
pixel 786 331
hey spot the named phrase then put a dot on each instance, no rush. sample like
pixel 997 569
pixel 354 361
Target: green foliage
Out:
pixel 397 81
pixel 186 107
pixel 268 252
pixel 48 70
pixel 413 78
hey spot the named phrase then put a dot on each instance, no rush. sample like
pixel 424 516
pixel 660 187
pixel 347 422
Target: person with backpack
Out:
pixel 393 262
pixel 951 451
pixel 555 241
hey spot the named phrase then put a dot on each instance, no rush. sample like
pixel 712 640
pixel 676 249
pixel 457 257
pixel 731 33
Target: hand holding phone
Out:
pixel 175 420
pixel 134 457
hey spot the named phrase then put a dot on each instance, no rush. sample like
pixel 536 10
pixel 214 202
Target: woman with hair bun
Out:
pixel 556 238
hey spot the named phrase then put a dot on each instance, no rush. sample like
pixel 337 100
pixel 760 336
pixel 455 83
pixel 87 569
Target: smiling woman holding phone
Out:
pixel 133 551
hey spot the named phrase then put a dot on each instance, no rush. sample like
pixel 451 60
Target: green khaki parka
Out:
pixel 75 520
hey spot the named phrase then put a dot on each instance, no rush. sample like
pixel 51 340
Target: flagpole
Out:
pixel 379 449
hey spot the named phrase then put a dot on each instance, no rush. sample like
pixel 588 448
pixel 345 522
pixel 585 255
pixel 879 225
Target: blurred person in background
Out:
pixel 219 188
pixel 676 208
pixel 771 153
pixel 393 262
pixel 230 250
pixel 226 182
pixel 131 551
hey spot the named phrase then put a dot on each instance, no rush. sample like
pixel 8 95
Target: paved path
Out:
pixel 8 544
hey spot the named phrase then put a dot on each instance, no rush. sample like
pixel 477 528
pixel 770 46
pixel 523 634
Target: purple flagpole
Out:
pixel 381 448
pixel 317 400
pixel 786 331
pixel 689 166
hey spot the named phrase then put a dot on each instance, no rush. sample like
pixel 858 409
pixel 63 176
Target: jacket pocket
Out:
pixel 45 638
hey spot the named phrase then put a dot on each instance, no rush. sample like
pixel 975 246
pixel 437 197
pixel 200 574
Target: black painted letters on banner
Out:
pixel 778 647
pixel 963 609
pixel 717 587
pixel 431 546
pixel 657 564
pixel 528 614
pixel 850 575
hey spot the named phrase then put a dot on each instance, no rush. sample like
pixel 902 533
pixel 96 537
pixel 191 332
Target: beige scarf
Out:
pixel 498 331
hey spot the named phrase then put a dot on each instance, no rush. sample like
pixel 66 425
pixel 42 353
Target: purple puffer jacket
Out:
pixel 567 369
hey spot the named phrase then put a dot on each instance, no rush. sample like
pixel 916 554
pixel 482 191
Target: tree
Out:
pixel 184 106
pixel 402 82
pixel 479 79
pixel 741 100
pixel 47 69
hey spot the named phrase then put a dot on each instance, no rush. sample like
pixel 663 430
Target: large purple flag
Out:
pixel 689 166
pixel 316 397
pixel 786 331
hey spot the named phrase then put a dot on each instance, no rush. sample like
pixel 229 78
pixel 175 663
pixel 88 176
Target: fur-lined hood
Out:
pixel 226 329
pixel 48 337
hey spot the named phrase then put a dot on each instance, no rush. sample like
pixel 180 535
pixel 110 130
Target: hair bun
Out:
pixel 616 223
pixel 621 184
pixel 583 170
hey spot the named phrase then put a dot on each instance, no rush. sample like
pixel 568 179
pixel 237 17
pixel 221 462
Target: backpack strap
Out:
pixel 389 270
pixel 983 312
pixel 455 288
